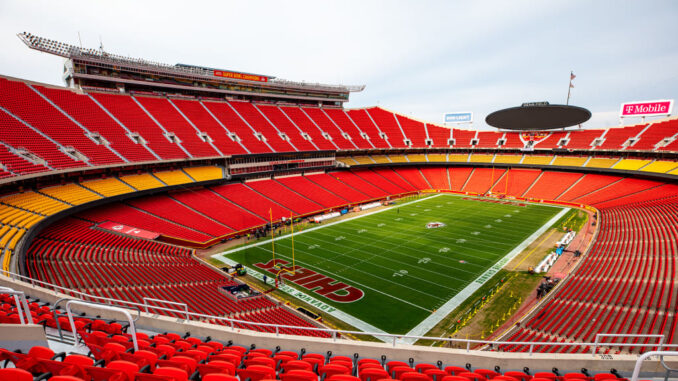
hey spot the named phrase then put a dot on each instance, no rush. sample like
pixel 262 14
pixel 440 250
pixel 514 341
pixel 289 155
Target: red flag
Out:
pixel 571 86
pixel 572 76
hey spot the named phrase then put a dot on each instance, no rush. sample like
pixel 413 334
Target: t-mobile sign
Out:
pixel 647 108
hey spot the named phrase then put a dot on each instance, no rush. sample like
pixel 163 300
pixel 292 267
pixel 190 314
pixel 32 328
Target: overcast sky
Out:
pixel 420 58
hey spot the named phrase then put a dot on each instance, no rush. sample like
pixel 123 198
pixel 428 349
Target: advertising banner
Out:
pixel 459 117
pixel 646 108
pixel 235 75
pixel 129 230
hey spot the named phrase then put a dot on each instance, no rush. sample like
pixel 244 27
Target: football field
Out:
pixel 391 271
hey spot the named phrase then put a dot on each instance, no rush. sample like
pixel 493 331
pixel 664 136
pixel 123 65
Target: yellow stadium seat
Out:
pixel 108 187
pixel 175 177
pixel 379 159
pixel 7 236
pixel 347 160
pixel 674 172
pixel 142 181
pixel 398 158
pixel 660 166
pixel 12 242
pixel 437 157
pixel 508 159
pixel 205 173
pixel 363 160
pixel 631 164
pixel 71 193
pixel 601 162
pixel 35 202
pixel 463 158
pixel 537 160
pixel 569 161
pixel 480 158
pixel 28 220
pixel 417 158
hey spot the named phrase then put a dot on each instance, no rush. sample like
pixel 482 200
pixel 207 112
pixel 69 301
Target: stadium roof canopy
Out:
pixel 538 116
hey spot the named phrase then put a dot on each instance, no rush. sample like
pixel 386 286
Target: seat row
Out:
pixel 60 129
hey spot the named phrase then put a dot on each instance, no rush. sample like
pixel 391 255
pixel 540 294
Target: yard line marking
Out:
pixel 352 232
pixel 338 277
pixel 427 324
pixel 341 315
pixel 349 280
pixel 390 259
pixel 267 241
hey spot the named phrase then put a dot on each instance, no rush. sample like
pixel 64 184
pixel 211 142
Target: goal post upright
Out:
pixel 270 214
pixel 294 266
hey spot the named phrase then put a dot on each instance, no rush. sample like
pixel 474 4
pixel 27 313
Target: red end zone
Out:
pixel 316 282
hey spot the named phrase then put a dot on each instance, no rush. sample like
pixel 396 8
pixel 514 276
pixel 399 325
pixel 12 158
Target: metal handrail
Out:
pixel 19 299
pixel 166 302
pixel 660 344
pixel 123 311
pixel 391 338
pixel 644 356
pixel 58 324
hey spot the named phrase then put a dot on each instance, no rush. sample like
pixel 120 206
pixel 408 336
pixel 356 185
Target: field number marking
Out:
pixel 313 247
pixel 400 273
pixel 362 231
pixel 339 238
pixel 475 233
pixel 424 260
pixel 461 240
pixel 498 220
pixel 381 225
pixel 444 250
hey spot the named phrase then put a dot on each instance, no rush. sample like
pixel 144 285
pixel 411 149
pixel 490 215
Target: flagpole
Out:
pixel 569 88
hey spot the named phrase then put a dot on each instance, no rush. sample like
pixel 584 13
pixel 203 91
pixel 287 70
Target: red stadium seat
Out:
pixel 219 377
pixel 15 374
pixel 256 373
pixel 170 373
pixel 299 375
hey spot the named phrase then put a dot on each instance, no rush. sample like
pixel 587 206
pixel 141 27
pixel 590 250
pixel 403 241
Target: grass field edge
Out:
pixel 335 312
pixel 267 241
pixel 432 320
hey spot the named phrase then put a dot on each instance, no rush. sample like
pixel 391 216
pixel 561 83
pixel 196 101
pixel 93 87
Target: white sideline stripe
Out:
pixel 432 320
pixel 224 253
pixel 341 315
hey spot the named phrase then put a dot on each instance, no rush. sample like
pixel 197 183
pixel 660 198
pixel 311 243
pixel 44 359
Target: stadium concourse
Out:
pixel 108 191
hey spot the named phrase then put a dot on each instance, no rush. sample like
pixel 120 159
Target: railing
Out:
pixel 21 304
pixel 58 323
pixel 131 328
pixel 646 355
pixel 333 333
pixel 660 344
pixel 146 300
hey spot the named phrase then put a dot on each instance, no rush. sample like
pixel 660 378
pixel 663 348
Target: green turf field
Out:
pixel 404 269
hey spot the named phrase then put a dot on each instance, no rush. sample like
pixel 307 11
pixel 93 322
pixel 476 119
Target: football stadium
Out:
pixel 181 222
